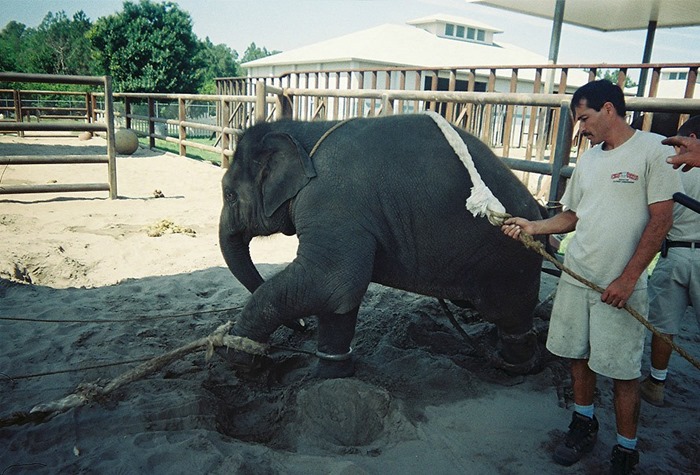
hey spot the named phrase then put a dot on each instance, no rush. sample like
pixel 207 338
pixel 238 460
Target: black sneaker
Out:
pixel 583 432
pixel 623 461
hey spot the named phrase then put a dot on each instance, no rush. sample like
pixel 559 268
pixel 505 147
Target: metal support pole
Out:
pixel 561 157
pixel 646 58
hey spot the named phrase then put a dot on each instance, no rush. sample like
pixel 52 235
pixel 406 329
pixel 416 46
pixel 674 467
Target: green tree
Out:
pixel 611 75
pixel 217 61
pixel 11 46
pixel 253 53
pixel 59 46
pixel 149 47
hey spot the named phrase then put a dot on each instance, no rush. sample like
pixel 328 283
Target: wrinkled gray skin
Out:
pixel 381 200
pixel 662 123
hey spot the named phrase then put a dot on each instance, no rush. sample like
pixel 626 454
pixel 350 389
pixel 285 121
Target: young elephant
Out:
pixel 373 200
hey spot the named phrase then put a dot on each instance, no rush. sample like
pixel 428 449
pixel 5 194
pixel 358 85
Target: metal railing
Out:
pixel 106 126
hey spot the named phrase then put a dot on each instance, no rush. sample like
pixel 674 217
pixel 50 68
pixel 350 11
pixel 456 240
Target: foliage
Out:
pixel 11 41
pixel 217 61
pixel 149 47
pixel 60 46
pixel 253 52
pixel 611 76
pixel 146 47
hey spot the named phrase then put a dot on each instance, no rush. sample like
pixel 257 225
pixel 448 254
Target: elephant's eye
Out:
pixel 230 196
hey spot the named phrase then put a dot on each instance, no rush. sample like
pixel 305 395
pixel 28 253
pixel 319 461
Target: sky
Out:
pixel 287 24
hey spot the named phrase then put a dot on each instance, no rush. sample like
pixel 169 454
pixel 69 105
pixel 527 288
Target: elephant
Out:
pixel 373 200
pixel 662 123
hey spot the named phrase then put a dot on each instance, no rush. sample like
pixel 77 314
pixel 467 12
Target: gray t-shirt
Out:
pixel 686 222
pixel 610 192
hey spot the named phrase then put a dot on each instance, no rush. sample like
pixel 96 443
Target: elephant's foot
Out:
pixel 334 366
pixel 297 325
pixel 244 364
pixel 519 353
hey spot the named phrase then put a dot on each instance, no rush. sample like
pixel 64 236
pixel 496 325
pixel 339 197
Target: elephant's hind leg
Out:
pixel 335 334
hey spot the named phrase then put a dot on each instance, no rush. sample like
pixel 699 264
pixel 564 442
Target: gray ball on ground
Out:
pixel 126 141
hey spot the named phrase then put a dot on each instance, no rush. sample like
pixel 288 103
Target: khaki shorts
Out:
pixel 584 327
pixel 674 284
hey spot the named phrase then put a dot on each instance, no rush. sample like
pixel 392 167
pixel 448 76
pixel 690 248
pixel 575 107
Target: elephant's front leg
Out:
pixel 324 281
pixel 335 334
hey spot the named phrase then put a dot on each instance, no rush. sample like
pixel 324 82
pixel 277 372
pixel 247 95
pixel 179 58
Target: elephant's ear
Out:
pixel 288 170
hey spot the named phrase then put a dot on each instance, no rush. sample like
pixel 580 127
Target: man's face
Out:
pixel 593 124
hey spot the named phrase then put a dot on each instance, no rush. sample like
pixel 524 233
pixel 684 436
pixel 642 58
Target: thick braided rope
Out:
pixel 88 392
pixel 538 247
pixel 481 201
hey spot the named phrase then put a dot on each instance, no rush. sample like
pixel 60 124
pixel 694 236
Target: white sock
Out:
pixel 659 374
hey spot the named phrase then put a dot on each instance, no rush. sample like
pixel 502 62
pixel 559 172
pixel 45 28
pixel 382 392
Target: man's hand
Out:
pixel 618 292
pixel 514 226
pixel 688 153
pixel 560 223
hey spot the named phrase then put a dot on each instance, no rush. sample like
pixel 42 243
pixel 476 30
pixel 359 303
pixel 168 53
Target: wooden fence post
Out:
pixel 111 148
pixel 225 108
pixel 182 130
pixel 18 109
pixel 151 124
pixel 260 104
pixel 127 112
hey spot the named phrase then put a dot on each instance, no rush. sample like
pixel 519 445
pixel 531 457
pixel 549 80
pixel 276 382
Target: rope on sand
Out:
pixel 88 392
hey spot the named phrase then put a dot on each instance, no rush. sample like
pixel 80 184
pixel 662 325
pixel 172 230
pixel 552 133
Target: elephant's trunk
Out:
pixel 236 251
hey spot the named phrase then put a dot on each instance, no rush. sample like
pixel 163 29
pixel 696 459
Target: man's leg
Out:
pixel 660 352
pixel 583 430
pixel 626 407
pixel 583 380
pixel 624 455
pixel 652 388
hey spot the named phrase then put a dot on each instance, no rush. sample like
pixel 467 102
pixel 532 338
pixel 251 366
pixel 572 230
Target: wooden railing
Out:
pixel 106 126
pixel 140 112
pixel 23 105
pixel 528 127
pixel 510 122
pixel 237 112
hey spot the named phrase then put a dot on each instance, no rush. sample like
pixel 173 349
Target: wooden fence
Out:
pixel 527 127
pixel 237 112
pixel 86 125
pixel 24 105
pixel 236 108
pixel 485 114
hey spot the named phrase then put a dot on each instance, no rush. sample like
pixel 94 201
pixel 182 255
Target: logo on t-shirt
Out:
pixel 624 177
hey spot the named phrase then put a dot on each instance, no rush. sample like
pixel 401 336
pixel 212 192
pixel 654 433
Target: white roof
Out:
pixel 401 45
pixel 457 20
pixel 610 15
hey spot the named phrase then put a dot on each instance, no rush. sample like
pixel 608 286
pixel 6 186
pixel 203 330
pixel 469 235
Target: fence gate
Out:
pixel 107 127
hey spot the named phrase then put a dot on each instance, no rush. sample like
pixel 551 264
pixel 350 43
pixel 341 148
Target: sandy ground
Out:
pixel 422 400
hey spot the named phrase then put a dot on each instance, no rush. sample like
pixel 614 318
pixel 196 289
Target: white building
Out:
pixel 437 41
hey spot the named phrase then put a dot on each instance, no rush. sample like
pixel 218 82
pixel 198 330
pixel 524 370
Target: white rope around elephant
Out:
pixel 482 201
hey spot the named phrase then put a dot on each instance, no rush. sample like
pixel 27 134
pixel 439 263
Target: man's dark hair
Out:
pixel 690 126
pixel 597 93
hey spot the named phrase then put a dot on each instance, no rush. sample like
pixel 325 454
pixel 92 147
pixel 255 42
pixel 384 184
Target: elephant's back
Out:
pixel 408 158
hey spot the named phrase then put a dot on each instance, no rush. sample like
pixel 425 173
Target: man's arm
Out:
pixel 660 221
pixel 563 222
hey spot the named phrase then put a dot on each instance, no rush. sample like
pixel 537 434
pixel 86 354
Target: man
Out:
pixel 619 201
pixel 675 281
